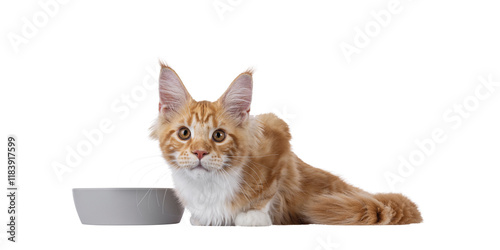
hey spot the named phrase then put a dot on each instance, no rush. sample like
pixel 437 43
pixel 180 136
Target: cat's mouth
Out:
pixel 199 166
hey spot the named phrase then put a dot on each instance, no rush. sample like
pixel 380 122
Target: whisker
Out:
pixel 149 196
pixel 145 157
pixel 243 179
pixel 250 156
pixel 142 168
pixel 149 171
pixel 163 203
pixel 242 162
pixel 250 175
pixel 239 185
pixel 131 164
pixel 260 179
pixel 157 201
pixel 144 196
pixel 243 169
pixel 148 192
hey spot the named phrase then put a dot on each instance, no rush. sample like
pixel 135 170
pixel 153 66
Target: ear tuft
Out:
pixel 249 71
pixel 163 64
pixel 238 97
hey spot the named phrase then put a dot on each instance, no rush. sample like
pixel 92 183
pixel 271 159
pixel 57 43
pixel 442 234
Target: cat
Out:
pixel 231 168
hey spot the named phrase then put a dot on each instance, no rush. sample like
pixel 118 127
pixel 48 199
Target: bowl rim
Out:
pixel 122 189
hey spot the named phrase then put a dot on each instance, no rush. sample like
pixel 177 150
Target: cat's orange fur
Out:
pixel 272 180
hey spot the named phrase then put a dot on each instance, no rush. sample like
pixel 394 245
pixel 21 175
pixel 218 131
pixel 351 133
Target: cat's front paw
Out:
pixel 252 218
pixel 194 221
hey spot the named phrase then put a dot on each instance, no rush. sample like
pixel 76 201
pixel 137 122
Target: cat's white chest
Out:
pixel 208 197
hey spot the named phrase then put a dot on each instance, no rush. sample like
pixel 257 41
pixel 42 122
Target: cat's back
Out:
pixel 275 136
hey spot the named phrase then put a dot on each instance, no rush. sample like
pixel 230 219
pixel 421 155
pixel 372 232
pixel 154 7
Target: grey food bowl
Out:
pixel 127 206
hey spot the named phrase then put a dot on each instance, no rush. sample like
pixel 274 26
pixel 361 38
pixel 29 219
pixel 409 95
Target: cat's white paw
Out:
pixel 252 218
pixel 194 221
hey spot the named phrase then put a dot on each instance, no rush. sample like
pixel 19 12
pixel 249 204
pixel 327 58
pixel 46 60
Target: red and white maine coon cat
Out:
pixel 230 168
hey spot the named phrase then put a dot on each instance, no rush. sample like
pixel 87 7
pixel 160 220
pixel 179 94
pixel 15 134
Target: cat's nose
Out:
pixel 200 153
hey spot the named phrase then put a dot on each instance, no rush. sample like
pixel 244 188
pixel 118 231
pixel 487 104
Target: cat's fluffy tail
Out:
pixel 404 211
pixel 360 208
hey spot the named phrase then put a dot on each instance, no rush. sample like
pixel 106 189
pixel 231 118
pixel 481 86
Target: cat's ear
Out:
pixel 173 94
pixel 238 97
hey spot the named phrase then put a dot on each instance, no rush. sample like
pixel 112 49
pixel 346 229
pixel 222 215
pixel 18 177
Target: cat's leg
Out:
pixel 254 217
pixel 194 221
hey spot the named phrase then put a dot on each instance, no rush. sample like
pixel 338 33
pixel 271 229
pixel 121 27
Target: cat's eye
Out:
pixel 219 135
pixel 184 133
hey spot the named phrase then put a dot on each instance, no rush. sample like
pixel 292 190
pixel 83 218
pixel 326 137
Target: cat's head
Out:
pixel 201 138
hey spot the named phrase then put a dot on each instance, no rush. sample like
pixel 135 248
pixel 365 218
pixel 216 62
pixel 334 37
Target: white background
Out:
pixel 353 119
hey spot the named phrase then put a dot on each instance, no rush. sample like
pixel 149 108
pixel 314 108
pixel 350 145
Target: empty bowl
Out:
pixel 127 206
